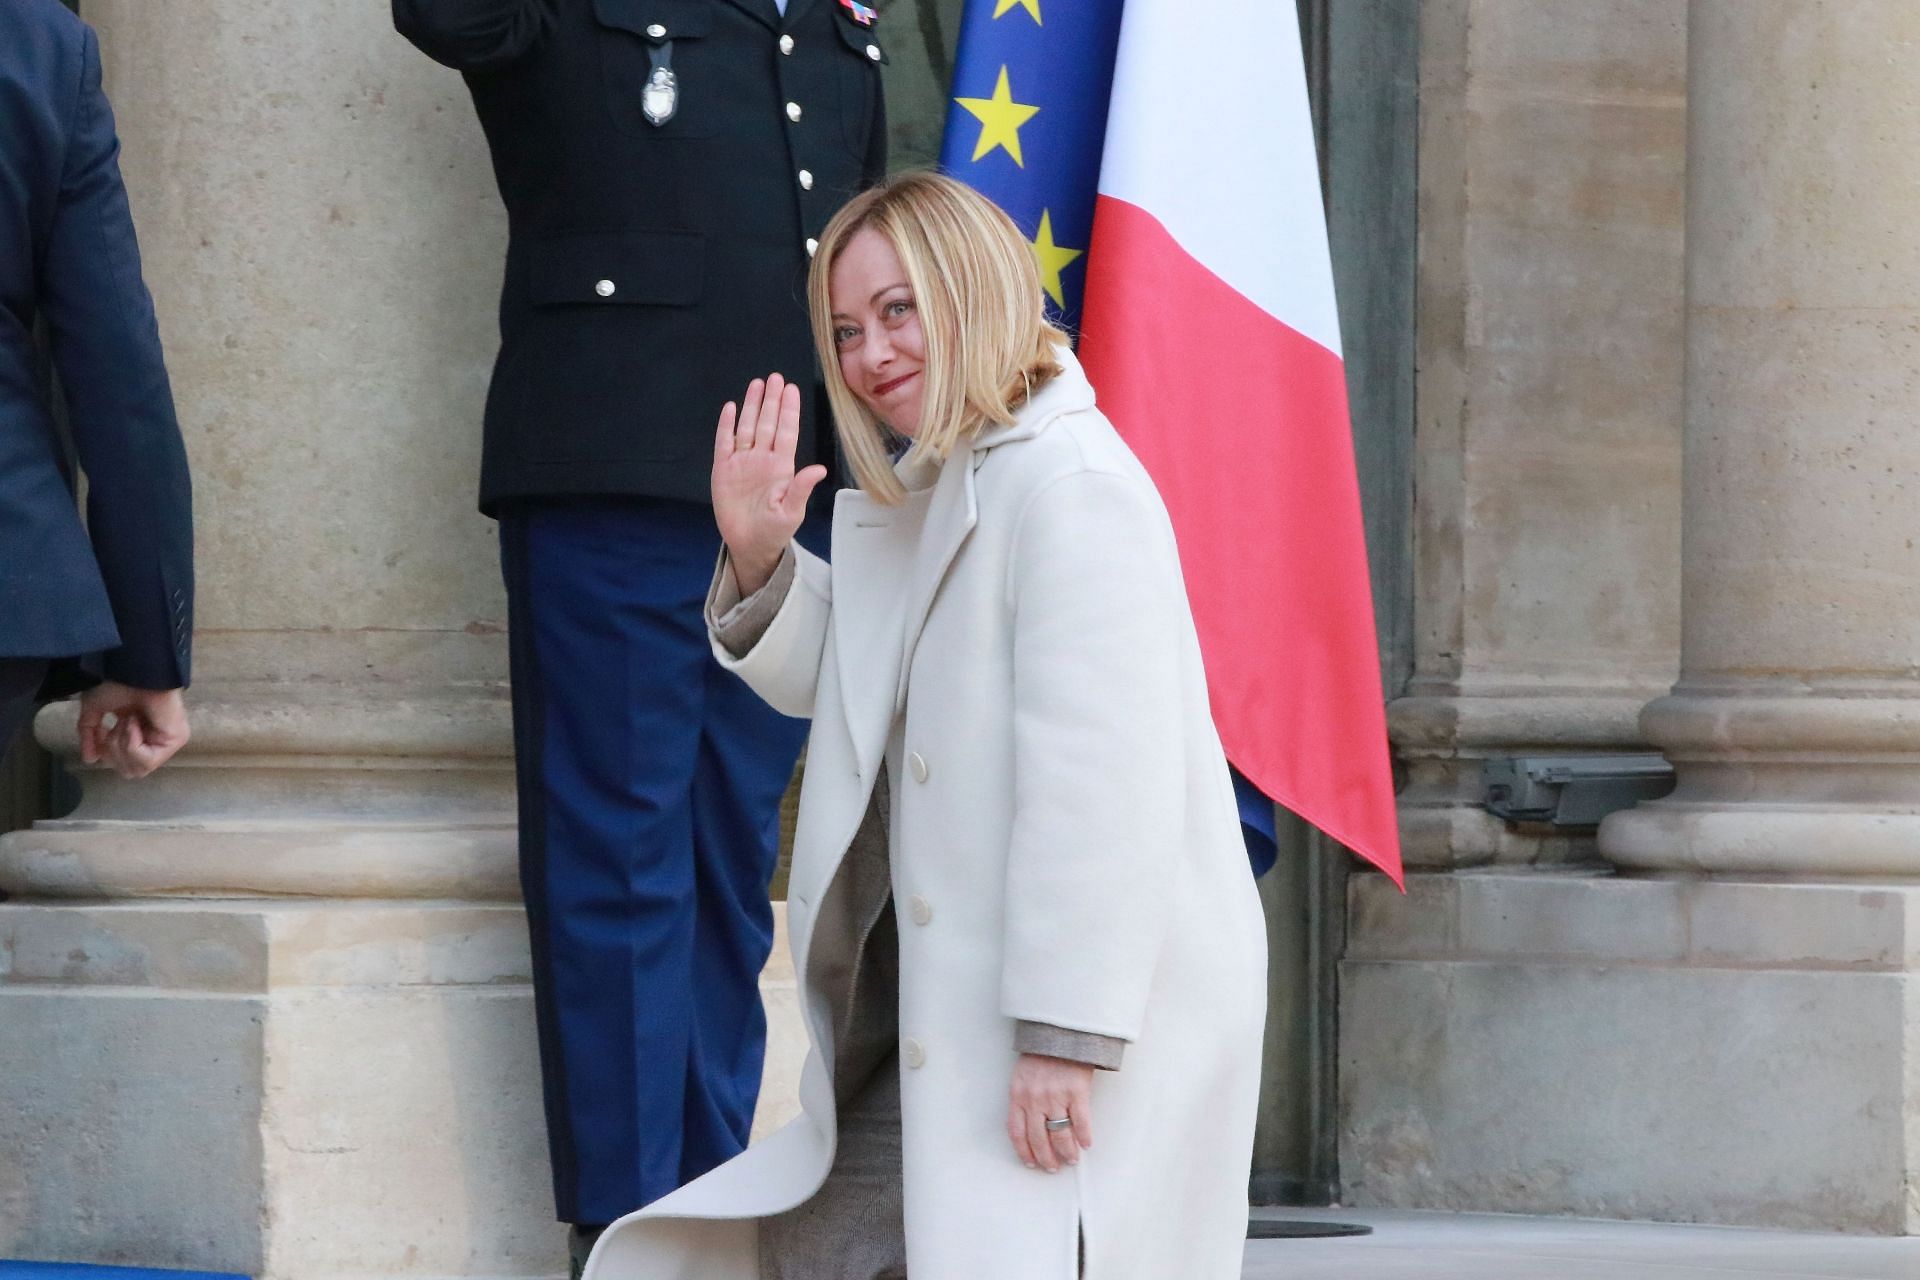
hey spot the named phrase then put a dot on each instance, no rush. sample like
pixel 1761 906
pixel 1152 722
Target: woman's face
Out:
pixel 876 331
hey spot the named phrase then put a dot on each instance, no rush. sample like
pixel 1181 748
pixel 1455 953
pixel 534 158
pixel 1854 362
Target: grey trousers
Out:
pixel 854 1227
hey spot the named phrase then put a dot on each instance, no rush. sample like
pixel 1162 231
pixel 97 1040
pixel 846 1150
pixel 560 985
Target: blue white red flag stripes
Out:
pixel 1209 330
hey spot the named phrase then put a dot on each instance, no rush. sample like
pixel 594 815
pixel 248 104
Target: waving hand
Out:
pixel 758 501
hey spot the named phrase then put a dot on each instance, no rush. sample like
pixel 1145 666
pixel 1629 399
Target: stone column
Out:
pixel 1796 723
pixel 1728 1032
pixel 268 1011
pixel 1548 399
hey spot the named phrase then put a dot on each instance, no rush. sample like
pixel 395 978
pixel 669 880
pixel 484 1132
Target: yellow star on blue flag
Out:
pixel 1051 258
pixel 1062 71
pixel 1000 120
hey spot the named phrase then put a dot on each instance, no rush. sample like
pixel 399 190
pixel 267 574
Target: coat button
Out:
pixel 920 909
pixel 873 51
pixel 917 766
pixel 604 288
pixel 786 44
pixel 806 179
pixel 812 246
pixel 793 112
pixel 656 30
pixel 913 1053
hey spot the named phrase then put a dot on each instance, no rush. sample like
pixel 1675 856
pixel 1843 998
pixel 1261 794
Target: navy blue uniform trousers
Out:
pixel 650 783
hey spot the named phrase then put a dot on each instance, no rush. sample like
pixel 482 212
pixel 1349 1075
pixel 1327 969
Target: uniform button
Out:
pixel 656 31
pixel 913 1053
pixel 806 180
pixel 786 44
pixel 920 909
pixel 812 246
pixel 793 112
pixel 917 765
pixel 604 288
pixel 873 51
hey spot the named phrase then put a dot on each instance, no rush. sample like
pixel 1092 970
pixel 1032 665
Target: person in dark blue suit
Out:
pixel 105 606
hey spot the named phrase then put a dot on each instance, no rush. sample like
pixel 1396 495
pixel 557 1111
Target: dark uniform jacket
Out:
pixel 122 586
pixel 654 268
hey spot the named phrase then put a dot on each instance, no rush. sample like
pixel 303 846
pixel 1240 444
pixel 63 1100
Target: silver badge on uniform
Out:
pixel 661 98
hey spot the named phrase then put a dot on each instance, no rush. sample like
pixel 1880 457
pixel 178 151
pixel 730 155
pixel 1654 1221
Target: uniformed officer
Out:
pixel 665 166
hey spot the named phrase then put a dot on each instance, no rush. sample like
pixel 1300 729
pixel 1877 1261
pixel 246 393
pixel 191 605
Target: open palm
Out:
pixel 758 500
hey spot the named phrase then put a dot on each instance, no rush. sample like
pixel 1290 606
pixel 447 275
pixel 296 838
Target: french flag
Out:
pixel 1211 335
pixel 1209 330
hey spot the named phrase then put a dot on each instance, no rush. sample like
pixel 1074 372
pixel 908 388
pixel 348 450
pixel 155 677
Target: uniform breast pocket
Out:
pixel 652 52
pixel 859 81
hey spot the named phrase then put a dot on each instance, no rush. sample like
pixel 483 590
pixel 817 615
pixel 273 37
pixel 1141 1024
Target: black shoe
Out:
pixel 580 1241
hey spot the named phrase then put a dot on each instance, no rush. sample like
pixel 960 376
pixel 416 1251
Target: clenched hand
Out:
pixel 149 726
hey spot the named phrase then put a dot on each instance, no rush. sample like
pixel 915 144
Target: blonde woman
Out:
pixel 1031 953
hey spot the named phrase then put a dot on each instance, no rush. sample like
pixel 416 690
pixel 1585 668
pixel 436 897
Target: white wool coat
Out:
pixel 1066 839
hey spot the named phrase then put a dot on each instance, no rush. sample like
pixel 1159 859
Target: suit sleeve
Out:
pixel 474 35
pixel 106 346
pixel 1098 759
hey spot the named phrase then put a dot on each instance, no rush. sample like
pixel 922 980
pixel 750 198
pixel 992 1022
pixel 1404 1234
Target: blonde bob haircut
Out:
pixel 989 344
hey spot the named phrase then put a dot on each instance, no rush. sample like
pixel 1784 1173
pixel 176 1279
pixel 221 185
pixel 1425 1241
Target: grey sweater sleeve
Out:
pixel 737 622
pixel 1049 1041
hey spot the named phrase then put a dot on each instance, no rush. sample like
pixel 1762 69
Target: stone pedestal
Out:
pixel 1548 397
pixel 1683 1050
pixel 272 1088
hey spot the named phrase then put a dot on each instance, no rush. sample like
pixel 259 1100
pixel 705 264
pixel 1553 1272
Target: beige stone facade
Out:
pixel 270 1010
pixel 1718 1022
pixel 1548 399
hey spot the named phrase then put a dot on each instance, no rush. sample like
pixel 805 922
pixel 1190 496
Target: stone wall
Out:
pixel 1720 1026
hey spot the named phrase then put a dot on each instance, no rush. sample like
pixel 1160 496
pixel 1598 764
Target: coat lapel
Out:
pixel 870 560
pixel 885 580
pixel 950 518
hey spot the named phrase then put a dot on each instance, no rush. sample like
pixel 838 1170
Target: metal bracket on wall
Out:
pixel 1571 791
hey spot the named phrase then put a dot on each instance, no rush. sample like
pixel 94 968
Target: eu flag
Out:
pixel 1027 122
